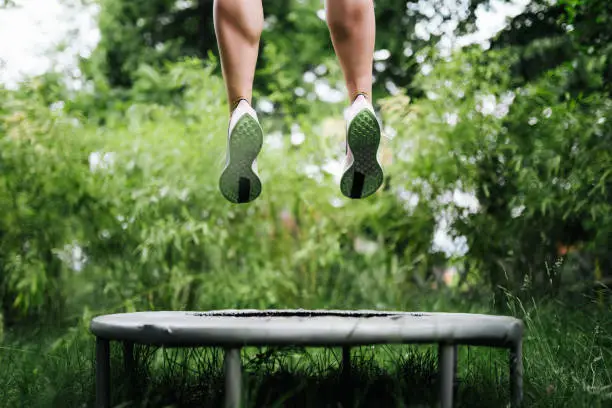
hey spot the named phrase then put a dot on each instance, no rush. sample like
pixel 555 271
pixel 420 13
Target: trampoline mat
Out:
pixel 306 327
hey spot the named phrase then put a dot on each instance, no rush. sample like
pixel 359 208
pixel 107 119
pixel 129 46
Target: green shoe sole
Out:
pixel 238 182
pixel 365 176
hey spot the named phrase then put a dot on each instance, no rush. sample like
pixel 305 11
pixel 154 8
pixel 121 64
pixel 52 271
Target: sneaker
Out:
pixel 239 181
pixel 363 174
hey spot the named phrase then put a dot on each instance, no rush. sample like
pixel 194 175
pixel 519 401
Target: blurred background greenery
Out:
pixel 497 160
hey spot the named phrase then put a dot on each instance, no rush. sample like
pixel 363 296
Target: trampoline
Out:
pixel 234 329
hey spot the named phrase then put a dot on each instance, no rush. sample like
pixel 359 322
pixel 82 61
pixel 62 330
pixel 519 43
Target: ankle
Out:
pixel 235 102
pixel 357 94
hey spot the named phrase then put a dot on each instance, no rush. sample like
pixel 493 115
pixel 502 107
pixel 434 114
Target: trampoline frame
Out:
pixel 447 354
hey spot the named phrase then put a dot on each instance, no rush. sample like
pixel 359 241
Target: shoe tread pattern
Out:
pixel 365 175
pixel 238 182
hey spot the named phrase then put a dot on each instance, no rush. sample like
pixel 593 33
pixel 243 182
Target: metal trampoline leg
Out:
pixel 233 378
pixel 516 374
pixel 102 373
pixel 447 354
pixel 346 364
pixel 347 391
pixel 129 366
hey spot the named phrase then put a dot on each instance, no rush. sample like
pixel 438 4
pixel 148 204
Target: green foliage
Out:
pixel 295 40
pixel 109 199
pixel 592 19
pixel 152 230
pixel 537 163
pixel 129 215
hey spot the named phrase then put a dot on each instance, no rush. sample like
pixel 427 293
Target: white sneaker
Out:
pixel 362 174
pixel 239 181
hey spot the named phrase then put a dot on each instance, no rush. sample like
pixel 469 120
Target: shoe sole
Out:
pixel 365 176
pixel 238 182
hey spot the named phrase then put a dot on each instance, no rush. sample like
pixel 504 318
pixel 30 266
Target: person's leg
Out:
pixel 238 26
pixel 353 30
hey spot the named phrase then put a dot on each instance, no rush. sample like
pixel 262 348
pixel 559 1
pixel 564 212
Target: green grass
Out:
pixel 568 351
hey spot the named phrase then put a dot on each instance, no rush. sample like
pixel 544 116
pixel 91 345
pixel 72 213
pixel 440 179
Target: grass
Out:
pixel 568 351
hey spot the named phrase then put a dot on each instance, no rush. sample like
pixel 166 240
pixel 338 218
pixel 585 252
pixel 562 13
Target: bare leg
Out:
pixel 352 27
pixel 353 30
pixel 238 26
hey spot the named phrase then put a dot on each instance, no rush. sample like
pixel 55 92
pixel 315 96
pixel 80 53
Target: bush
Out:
pixel 536 162
pixel 128 215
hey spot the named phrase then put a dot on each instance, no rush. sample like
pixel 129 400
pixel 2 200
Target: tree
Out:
pixel 531 142
pixel 295 40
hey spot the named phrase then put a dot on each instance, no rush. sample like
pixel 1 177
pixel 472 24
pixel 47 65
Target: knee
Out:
pixel 344 23
pixel 244 18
